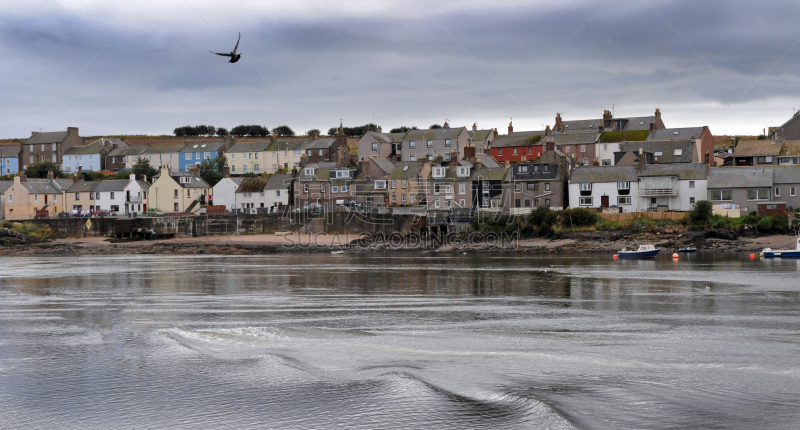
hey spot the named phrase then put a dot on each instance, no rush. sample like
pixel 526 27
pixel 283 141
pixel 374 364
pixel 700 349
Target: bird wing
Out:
pixel 219 53
pixel 237 43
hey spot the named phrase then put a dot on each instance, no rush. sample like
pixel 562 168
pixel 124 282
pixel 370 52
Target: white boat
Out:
pixel 782 253
pixel 645 251
pixel 337 252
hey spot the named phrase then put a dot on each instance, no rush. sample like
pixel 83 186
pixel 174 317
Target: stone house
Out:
pixel 321 150
pixel 324 184
pixel 158 156
pixel 790 130
pixel 519 146
pixel 539 183
pixel 121 157
pixel 450 186
pixel 701 136
pixel 662 152
pixel 263 194
pixel 122 196
pixel 372 181
pixel 49 146
pixel 408 183
pixel 756 152
pixel 29 198
pixel 380 145
pixel 192 154
pixel 487 185
pixel 249 157
pixel 283 155
pixel 745 188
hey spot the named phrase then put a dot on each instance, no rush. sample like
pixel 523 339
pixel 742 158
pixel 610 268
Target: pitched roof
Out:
pixel 488 161
pixel 575 138
pixel 195 181
pixel 92 148
pixel 604 174
pixel 790 148
pixel 681 170
pixel 386 137
pixel 46 186
pixel 4 185
pixel 47 137
pixel 786 175
pixel 433 134
pixel 488 173
pixel 664 150
pixel 250 185
pixel 384 164
pixel 534 174
pixel 757 148
pixel 10 151
pixel 127 150
pixel 518 138
pixel 321 143
pixel 163 149
pixel 479 135
pixel 95 186
pixel 739 177
pixel 202 146
pixel 248 147
pixel 279 182
pixel 288 145
pixel 676 133
pixel 406 170
pixel 638 122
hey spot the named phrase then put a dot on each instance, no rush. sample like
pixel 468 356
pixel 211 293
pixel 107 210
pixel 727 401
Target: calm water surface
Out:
pixel 323 341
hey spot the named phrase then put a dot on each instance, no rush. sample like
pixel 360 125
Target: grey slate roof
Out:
pixel 44 186
pixel 479 135
pixel 517 138
pixel 127 150
pixel 92 148
pixel 289 145
pixel 681 170
pixel 575 138
pixel 670 133
pixel 4 185
pixel 384 165
pixel 553 172
pixel 387 137
pixel 47 137
pixel 786 175
pixel 163 149
pixel 95 186
pixel 604 174
pixel 638 123
pixel 198 146
pixel 740 177
pixel 666 148
pixel 488 161
pixel 279 182
pixel 414 168
pixel 488 174
pixel 10 151
pixel 321 143
pixel 196 182
pixel 248 147
pixel 433 134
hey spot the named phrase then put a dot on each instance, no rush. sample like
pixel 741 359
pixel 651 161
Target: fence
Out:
pixel 654 215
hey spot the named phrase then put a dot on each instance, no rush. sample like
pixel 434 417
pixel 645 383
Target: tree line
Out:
pixel 238 131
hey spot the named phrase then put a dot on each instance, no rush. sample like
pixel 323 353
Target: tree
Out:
pixel 222 132
pixel 283 131
pixel 701 213
pixel 312 132
pixel 143 168
pixel 402 129
pixel 202 130
pixel 211 169
pixel 354 131
pixel 435 126
pixel 40 170
pixel 211 130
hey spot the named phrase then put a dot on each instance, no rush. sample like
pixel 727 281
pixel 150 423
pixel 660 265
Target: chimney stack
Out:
pixel 226 171
pixel 510 128
pixel 559 127
pixel 315 135
pixel 469 151
pixel 549 145
pixel 607 115
pixel 640 161
pixel 23 177
pixel 547 131
pixel 380 129
pixel 50 175
pixel 72 131
pixel 658 114
pixel 601 128
pixel 475 126
pixel 652 127
pixel 446 125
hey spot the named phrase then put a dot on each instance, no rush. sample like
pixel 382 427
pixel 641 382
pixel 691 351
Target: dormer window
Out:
pixel 522 169
pixel 438 172
pixel 463 171
pixel 185 180
pixel 309 171
pixel 535 167
pixel 546 168
pixel 342 173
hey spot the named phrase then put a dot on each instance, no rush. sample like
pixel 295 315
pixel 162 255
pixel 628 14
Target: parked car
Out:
pixel 154 212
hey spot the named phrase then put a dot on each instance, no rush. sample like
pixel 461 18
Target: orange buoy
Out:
pixel 675 255
pixel 752 256
pixel 615 256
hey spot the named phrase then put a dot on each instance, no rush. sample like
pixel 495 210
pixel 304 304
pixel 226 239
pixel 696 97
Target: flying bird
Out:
pixel 234 56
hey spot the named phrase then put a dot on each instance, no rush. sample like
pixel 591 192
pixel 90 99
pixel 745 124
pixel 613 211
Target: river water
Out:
pixel 391 341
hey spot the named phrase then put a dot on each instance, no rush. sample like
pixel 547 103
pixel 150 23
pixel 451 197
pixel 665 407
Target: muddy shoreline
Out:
pixel 585 242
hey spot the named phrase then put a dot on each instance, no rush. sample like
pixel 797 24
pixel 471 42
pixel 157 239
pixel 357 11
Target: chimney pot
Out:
pixel 510 128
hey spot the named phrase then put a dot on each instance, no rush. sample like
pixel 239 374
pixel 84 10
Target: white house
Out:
pixel 225 192
pixel 651 187
pixel 605 152
pixel 256 193
pixel 89 157
pixel 595 187
pixel 136 195
pixel 120 196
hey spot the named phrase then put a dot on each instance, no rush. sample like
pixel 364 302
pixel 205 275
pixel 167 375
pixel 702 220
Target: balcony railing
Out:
pixel 647 192
pixel 134 199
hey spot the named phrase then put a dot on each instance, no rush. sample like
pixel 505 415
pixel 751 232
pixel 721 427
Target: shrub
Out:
pixel 719 221
pixel 34 231
pixel 538 216
pixel 751 219
pixel 496 223
pixel 701 213
pixel 578 217
pixel 765 224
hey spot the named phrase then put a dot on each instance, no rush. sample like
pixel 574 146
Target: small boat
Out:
pixel 782 253
pixel 687 249
pixel 337 252
pixel 644 251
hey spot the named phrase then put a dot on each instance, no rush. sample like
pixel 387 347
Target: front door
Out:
pixel 604 201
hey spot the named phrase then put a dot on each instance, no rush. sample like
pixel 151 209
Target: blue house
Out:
pixel 9 160
pixel 193 154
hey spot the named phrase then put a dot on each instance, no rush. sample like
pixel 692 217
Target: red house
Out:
pixel 518 146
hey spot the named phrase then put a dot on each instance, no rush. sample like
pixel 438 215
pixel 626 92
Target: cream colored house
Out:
pixel 27 196
pixel 161 155
pixel 284 155
pixel 175 191
pixel 247 157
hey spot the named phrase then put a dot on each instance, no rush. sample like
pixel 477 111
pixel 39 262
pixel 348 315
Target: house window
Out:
pixel 256 167
pixel 792 191
pixel 277 193
pixel 623 200
pixel 320 153
pixel 335 189
pixel 175 193
pixel 188 156
pixel 722 195
pixel 309 171
pixel 233 168
pixel 547 202
pixel 343 188
pixel 380 185
pixel 35 197
pixel 55 198
pixel 522 169
pixel 403 198
pixel 691 200
pixel 530 150
pixel 758 194
pixel 404 184
pixel 462 188
pixel 77 196
pixel 625 185
pixel 244 168
pixel 586 186
pixel 43 147
pixel 447 142
pixel 375 146
pixel 175 207
pixel 430 144
pixel 531 185
pixel 342 174
pixel 583 148
pixel 207 155
pixel 691 184
pixel 777 192
pixel 546 168
pixel 606 162
pixel 566 148
pixel 536 202
pixel 517 187
pixel 585 201
pixel 394 183
pixel 112 195
pixel 256 155
pixel 305 188
pixel 500 151
pixel 515 151
pixel 55 158
pixel 447 157
pixel 437 188
pixel 547 186
pixel 394 198
pixel 436 203
pixel 412 157
pixel 412 144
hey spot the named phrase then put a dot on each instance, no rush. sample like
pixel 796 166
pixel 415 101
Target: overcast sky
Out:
pixel 143 67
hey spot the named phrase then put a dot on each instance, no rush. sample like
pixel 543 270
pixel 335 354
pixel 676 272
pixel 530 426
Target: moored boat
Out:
pixel 687 249
pixel 645 251
pixel 782 253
